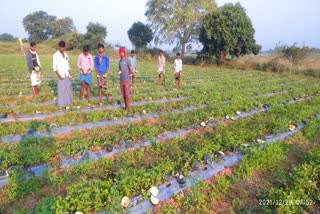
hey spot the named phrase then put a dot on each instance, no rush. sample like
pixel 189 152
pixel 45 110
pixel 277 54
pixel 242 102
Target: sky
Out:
pixel 285 21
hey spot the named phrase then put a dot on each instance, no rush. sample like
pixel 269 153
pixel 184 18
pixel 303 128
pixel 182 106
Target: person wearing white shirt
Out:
pixel 62 69
pixel 177 70
pixel 161 66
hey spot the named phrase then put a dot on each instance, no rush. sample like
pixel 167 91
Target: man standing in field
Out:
pixel 101 64
pixel 62 69
pixel 125 71
pixel 133 61
pixel 85 65
pixel 34 67
pixel 177 70
pixel 161 64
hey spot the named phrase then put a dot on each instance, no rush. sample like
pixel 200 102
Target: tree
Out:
pixel 62 27
pixel 291 55
pixel 176 20
pixel 96 33
pixel 140 35
pixel 294 54
pixel 75 41
pixel 96 29
pixel 5 37
pixel 37 25
pixel 228 31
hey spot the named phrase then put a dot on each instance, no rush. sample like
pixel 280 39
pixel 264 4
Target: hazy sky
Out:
pixel 287 21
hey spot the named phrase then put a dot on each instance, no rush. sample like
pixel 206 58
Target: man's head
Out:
pixel 161 52
pixel 100 48
pixel 32 46
pixel 62 46
pixel 122 52
pixel 178 56
pixel 132 53
pixel 86 50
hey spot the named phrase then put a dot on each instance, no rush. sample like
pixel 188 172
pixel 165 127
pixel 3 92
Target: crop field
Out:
pixel 227 141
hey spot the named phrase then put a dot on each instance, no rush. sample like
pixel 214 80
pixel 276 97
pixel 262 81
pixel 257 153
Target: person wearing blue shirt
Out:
pixel 101 64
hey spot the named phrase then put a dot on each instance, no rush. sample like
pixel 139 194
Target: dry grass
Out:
pixel 14 48
pixel 270 62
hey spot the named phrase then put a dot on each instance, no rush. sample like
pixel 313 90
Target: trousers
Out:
pixel 125 91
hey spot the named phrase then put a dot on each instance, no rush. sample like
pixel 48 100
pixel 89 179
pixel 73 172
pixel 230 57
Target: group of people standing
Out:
pixel 87 65
pixel 177 68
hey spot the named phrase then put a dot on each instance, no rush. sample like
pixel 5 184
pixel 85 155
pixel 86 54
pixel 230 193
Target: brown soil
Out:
pixel 170 203
pixel 29 201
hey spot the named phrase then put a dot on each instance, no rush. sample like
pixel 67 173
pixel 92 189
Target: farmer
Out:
pixel 85 65
pixel 62 69
pixel 161 66
pixel 125 71
pixel 133 61
pixel 101 64
pixel 34 67
pixel 177 70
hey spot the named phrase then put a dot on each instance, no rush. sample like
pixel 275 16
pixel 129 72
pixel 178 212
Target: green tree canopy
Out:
pixel 5 37
pixel 140 35
pixel 228 31
pixel 96 29
pixel 177 21
pixel 96 33
pixel 37 24
pixel 42 26
pixel 62 27
pixel 76 41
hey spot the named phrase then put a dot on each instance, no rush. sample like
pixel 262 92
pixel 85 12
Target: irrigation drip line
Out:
pixel 193 83
pixel 89 156
pixel 138 205
pixel 77 85
pixel 84 126
pixel 85 110
pixel 68 162
pixel 67 129
pixel 43 116
pixel 142 77
pixel 103 98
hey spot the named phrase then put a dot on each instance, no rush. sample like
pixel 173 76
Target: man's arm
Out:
pixel 91 64
pixel 107 65
pixel 96 66
pixel 69 69
pixel 130 67
pixel 79 63
pixel 58 75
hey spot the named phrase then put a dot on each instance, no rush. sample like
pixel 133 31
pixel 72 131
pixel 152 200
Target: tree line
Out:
pixel 222 31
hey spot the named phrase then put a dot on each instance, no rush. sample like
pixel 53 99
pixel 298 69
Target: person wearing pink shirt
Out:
pixel 85 65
